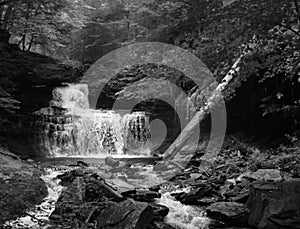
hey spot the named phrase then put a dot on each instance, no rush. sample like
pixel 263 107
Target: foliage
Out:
pixel 268 77
pixel 214 30
pixel 40 25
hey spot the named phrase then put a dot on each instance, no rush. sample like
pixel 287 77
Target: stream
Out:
pixel 180 216
pixel 114 145
pixel 38 217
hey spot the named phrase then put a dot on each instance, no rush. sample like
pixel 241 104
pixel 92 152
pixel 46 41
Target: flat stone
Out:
pixel 231 213
pixel 263 175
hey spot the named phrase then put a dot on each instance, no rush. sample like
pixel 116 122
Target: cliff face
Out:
pixel 30 79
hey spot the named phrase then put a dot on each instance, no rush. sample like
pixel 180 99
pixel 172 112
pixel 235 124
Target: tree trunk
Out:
pixel 26 27
pixel 212 101
pixel 12 19
pixel 24 42
pixel 30 43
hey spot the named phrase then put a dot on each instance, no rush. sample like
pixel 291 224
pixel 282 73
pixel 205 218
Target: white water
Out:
pixel 183 216
pixel 180 216
pixel 84 132
pixel 38 217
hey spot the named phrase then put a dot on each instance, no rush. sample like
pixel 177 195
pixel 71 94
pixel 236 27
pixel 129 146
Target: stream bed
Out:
pixel 139 175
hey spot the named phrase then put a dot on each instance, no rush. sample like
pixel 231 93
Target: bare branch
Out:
pixel 289 28
pixel 8 2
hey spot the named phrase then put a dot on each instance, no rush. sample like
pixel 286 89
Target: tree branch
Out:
pixel 291 29
pixel 8 2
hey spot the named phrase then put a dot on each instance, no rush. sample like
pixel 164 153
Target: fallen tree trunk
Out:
pixel 213 99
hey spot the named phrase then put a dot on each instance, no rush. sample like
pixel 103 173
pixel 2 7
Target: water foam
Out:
pixel 70 128
pixel 183 216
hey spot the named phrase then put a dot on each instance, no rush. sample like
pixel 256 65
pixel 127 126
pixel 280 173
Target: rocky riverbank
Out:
pixel 246 187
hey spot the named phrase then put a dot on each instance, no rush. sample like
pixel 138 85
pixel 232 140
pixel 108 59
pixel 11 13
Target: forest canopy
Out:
pixel 79 32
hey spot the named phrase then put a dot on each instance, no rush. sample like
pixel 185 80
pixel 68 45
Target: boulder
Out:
pixel 82 163
pixel 125 215
pixel 20 186
pixel 96 189
pixel 231 213
pixel 112 162
pixel 74 195
pixel 275 205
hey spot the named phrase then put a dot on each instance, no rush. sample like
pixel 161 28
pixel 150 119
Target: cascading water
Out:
pixel 183 216
pixel 70 128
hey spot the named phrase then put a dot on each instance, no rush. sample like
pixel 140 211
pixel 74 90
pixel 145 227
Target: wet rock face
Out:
pixel 275 205
pixel 53 127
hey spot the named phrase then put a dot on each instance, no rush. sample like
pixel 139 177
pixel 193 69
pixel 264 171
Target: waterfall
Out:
pixel 69 128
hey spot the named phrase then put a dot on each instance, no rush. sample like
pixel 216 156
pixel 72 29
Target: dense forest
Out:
pixel 252 49
pixel 80 32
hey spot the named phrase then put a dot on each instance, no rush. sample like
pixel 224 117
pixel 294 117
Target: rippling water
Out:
pixel 180 216
pixel 183 216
